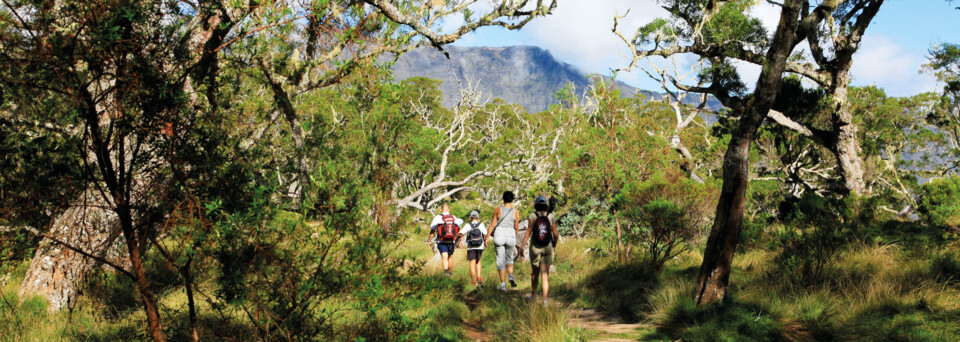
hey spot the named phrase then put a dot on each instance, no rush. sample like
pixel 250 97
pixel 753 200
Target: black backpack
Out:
pixel 543 234
pixel 474 236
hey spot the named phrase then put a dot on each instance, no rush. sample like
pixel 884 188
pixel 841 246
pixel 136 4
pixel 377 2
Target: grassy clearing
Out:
pixel 876 291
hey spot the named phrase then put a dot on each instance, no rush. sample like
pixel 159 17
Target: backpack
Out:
pixel 449 229
pixel 475 236
pixel 544 230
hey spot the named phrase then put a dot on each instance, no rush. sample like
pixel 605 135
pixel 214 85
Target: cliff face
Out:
pixel 526 75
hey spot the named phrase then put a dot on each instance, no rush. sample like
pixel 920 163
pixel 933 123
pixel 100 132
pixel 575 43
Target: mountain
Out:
pixel 526 75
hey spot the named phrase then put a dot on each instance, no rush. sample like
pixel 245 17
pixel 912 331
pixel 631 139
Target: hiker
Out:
pixel 473 238
pixel 505 223
pixel 543 228
pixel 447 228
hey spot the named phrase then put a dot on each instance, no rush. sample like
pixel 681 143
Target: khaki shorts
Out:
pixel 541 255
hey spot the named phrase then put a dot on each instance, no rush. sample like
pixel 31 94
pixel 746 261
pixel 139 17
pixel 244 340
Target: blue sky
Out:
pixel 890 56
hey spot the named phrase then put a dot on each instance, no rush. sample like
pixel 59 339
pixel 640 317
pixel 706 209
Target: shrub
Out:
pixel 939 204
pixel 664 214
pixel 946 267
pixel 584 218
pixel 814 233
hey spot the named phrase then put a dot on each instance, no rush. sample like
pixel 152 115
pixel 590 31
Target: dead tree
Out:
pixel 528 159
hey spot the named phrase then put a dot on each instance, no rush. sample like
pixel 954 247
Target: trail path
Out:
pixel 599 327
pixel 472 329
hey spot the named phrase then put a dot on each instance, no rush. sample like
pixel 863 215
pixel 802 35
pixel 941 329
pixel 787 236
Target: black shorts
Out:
pixel 474 254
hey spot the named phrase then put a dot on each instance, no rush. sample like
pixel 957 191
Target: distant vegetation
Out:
pixel 217 171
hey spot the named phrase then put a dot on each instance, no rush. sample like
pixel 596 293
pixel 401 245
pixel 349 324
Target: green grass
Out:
pixel 871 291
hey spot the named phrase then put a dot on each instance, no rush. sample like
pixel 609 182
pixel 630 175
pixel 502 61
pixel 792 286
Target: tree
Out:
pixel 480 140
pixel 612 145
pixel 720 32
pixel 140 82
pixel 832 44
pixel 944 62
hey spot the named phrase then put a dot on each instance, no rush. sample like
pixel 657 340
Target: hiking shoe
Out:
pixel 531 297
pixel 546 302
pixel 502 287
pixel 479 281
pixel 448 273
pixel 513 283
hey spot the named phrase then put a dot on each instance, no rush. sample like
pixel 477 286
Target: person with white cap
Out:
pixel 474 233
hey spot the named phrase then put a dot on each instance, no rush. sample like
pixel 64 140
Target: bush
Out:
pixel 946 267
pixel 814 233
pixel 585 217
pixel 664 214
pixel 939 205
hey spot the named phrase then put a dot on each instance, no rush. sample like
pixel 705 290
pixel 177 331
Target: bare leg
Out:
pixel 534 279
pixel 509 271
pixel 444 261
pixel 479 273
pixel 450 262
pixel 503 276
pixel 473 270
pixel 545 276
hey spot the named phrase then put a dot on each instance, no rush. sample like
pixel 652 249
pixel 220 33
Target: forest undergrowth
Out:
pixel 889 284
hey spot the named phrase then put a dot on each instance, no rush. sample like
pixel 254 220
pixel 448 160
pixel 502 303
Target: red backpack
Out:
pixel 449 229
pixel 544 231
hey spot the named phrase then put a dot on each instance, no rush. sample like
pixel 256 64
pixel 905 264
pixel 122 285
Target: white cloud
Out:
pixel 768 14
pixel 579 33
pixel 882 62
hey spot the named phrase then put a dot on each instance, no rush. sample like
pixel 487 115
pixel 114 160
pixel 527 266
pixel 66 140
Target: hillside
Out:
pixel 527 75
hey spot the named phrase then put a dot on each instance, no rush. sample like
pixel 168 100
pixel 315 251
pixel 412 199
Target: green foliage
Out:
pixel 656 32
pixel 939 205
pixel 664 214
pixel 945 267
pixel 610 146
pixel 585 218
pixel 731 26
pixel 813 236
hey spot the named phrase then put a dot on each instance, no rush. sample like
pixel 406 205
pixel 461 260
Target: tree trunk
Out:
pixel 619 241
pixel 154 324
pixel 725 233
pixel 847 144
pixel 191 305
pixel 56 272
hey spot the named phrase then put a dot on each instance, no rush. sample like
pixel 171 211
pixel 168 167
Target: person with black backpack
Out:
pixel 447 228
pixel 542 234
pixel 473 237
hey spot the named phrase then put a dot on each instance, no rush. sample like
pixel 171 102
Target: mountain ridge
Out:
pixel 525 75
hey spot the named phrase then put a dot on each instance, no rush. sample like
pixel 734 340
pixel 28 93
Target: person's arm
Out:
pixel 493 224
pixel 459 241
pixel 556 235
pixel 432 229
pixel 526 237
pixel 483 229
pixel 516 222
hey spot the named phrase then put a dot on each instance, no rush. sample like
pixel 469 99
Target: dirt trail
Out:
pixel 472 329
pixel 599 327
